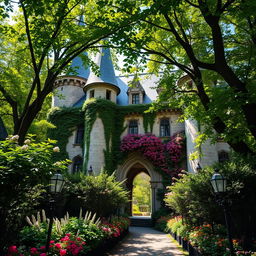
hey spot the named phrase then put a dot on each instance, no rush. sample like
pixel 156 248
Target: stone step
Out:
pixel 141 221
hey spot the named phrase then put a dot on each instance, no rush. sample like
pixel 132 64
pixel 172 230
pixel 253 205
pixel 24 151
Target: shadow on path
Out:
pixel 145 241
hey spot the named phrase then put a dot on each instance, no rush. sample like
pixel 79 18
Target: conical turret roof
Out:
pixel 106 69
pixel 77 63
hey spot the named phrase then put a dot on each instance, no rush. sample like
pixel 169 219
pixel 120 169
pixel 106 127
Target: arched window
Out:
pixel 164 127
pixel 223 156
pixel 133 127
pixel 79 134
pixel 77 164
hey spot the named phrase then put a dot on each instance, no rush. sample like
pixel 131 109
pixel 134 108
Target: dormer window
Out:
pixel 133 127
pixel 135 91
pixel 108 95
pixel 135 98
pixel 164 127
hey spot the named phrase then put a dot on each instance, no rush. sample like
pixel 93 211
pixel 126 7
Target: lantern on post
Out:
pixel 219 183
pixel 56 185
pixel 219 186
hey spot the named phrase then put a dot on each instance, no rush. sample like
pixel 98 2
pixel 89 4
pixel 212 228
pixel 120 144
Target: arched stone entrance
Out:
pixel 132 166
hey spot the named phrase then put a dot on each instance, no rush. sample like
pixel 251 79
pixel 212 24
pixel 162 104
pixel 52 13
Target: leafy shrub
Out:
pixel 210 240
pixel 161 223
pixel 100 194
pixel 191 196
pixel 24 172
pixel 163 211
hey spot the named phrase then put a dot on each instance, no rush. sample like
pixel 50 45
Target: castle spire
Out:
pixel 106 70
pixel 77 63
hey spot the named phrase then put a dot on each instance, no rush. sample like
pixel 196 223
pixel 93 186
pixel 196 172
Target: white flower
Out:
pixel 57 163
pixel 27 141
pixel 15 137
pixel 24 147
pixel 56 149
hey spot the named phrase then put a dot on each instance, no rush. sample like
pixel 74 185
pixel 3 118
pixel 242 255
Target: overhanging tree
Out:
pixel 37 46
pixel 211 42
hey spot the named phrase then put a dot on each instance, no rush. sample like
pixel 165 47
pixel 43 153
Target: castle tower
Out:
pixel 69 88
pixel 104 85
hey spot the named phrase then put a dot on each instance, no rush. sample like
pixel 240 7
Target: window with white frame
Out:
pixel 135 98
pixel 133 127
pixel 164 127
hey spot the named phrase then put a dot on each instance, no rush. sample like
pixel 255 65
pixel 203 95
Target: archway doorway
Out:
pixel 141 195
pixel 139 182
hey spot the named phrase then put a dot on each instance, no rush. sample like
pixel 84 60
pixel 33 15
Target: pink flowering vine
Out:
pixel 156 151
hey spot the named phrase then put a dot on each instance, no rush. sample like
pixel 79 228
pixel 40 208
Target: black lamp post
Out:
pixel 56 185
pixel 90 171
pixel 219 186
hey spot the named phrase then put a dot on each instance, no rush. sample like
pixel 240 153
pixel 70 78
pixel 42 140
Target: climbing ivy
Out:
pixel 65 120
pixel 112 116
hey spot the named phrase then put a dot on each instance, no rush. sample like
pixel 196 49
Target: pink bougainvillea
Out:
pixel 159 153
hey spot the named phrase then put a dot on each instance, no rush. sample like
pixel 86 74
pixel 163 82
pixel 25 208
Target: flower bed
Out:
pixel 204 240
pixel 70 236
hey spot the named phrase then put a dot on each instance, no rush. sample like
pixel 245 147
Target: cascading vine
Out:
pixel 167 156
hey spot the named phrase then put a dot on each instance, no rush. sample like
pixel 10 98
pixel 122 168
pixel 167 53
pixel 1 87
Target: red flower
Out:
pixel 12 249
pixel 63 252
pixel 33 250
pixel 58 246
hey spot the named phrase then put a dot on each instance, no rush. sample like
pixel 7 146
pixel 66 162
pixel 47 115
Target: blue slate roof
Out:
pixel 107 72
pixel 77 64
pixel 80 102
pixel 80 69
pixel 148 82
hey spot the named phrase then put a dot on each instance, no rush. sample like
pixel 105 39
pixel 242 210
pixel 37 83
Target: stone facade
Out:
pixel 72 91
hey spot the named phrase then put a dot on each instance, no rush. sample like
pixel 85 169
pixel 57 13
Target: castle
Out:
pixel 115 107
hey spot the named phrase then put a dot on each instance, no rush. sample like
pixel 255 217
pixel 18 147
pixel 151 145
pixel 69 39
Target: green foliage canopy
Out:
pixel 212 44
pixel 38 45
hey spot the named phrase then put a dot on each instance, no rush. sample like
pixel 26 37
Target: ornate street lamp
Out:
pixel 219 183
pixel 56 185
pixel 219 186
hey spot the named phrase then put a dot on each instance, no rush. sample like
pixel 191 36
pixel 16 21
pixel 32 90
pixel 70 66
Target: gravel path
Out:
pixel 145 241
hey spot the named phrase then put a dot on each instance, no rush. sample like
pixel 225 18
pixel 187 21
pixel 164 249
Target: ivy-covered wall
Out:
pixel 112 116
pixel 66 120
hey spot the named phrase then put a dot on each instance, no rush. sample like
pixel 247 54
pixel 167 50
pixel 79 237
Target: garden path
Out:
pixel 145 242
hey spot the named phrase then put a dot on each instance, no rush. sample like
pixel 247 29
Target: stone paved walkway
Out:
pixel 145 242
